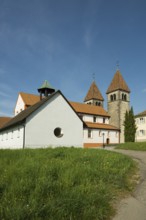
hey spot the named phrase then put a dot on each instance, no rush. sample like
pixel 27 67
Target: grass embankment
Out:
pixel 139 146
pixel 61 184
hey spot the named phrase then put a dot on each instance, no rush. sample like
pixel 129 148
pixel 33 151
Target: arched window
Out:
pixel 114 96
pixel 111 97
pixel 122 96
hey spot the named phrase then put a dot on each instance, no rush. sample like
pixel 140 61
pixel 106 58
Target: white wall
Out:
pixel 99 119
pixel 20 106
pixel 39 131
pixel 12 138
pixel 141 129
pixel 97 136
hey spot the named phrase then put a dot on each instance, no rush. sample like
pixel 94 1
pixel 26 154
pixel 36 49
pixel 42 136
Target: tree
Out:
pixel 129 126
pixel 126 126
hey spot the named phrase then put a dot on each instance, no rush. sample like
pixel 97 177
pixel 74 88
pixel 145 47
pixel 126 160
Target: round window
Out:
pixel 58 132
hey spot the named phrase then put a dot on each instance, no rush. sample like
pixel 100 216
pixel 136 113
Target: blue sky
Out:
pixel 65 42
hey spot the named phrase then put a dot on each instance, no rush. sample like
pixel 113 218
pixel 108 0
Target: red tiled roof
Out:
pixel 101 126
pixel 141 114
pixel 89 109
pixel 29 99
pixel 4 120
pixel 118 83
pixel 21 117
pixel 93 93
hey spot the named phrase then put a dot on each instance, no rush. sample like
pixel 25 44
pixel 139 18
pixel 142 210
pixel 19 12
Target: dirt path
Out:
pixel 134 207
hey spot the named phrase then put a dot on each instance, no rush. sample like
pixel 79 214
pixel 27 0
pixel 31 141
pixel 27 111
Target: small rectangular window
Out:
pixel 94 118
pixel 103 120
pixel 99 133
pixel 7 136
pixel 12 135
pixel 89 133
pixel 141 120
pixel 18 134
pixel 141 133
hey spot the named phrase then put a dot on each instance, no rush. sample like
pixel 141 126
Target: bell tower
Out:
pixel 45 89
pixel 94 96
pixel 118 102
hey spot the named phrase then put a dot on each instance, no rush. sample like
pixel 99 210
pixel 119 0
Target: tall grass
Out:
pixel 139 146
pixel 61 183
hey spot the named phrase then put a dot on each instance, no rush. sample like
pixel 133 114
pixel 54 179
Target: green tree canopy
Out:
pixel 129 126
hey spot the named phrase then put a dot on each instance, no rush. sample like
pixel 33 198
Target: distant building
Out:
pixel 141 127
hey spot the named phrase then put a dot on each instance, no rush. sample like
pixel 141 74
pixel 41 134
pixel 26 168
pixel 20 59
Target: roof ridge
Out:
pixel 26 93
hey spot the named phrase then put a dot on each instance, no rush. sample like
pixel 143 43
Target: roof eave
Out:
pixel 4 128
pixel 117 90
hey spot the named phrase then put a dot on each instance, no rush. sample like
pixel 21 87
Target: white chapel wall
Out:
pixel 99 119
pixel 97 136
pixel 55 113
pixel 12 138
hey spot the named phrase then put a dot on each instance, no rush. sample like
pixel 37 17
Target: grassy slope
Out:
pixel 61 183
pixel 140 146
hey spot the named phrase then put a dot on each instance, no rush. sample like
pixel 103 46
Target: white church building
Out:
pixel 50 120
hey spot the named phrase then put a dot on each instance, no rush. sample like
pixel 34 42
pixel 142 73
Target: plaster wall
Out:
pixel 55 113
pixel 12 138
pixel 97 136
pixel 20 106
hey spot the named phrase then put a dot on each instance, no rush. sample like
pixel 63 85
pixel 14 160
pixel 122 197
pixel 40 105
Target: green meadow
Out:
pixel 62 183
pixel 139 146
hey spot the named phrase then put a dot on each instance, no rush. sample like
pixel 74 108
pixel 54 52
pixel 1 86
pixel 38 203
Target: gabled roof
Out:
pixel 141 114
pixel 101 126
pixel 21 117
pixel 93 93
pixel 4 120
pixel 89 109
pixel 29 99
pixel 118 83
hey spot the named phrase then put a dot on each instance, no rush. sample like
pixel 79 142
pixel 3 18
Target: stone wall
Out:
pixel 117 109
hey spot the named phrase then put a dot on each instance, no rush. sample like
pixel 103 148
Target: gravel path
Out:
pixel 134 207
